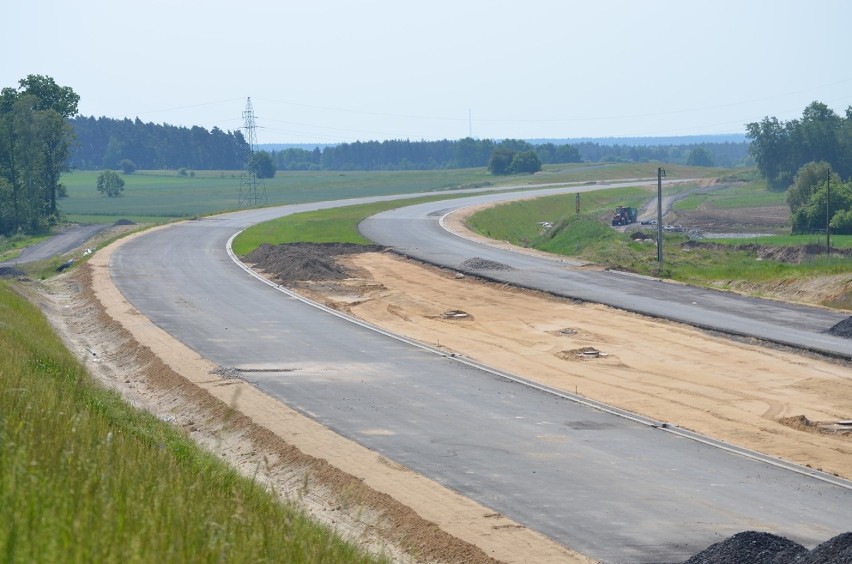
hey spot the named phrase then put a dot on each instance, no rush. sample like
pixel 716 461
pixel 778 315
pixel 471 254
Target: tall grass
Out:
pixel 86 478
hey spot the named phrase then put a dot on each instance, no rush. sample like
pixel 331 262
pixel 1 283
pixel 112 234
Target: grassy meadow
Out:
pixel 84 477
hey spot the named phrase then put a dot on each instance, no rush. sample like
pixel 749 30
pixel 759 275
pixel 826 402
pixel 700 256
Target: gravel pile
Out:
pixel 11 272
pixel 302 262
pixel 842 329
pixel 477 263
pixel 765 548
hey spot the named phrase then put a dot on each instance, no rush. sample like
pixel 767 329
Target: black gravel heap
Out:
pixel 749 547
pixel 11 272
pixel 752 547
pixel 842 329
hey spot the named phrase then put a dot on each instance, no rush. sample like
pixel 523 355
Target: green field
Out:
pixel 156 197
pixel 84 477
pixel 159 196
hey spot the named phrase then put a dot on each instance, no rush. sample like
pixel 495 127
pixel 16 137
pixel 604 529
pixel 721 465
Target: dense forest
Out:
pixel 105 143
pixel 810 158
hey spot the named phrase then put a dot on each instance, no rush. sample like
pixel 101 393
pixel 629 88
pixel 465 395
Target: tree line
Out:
pixel 471 153
pixel 810 158
pixel 35 144
pixel 106 143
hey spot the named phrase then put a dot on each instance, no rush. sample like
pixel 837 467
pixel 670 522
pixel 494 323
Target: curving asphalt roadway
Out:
pixel 615 488
pixel 416 231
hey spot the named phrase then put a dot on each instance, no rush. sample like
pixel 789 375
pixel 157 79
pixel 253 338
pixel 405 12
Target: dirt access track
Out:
pixel 776 402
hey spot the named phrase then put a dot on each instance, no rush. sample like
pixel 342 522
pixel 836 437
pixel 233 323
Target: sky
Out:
pixel 342 71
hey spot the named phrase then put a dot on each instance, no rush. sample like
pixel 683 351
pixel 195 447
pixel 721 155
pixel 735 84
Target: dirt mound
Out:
pixel 842 329
pixel 124 222
pixel 11 272
pixel 765 548
pixel 752 547
pixel 302 262
pixel 477 263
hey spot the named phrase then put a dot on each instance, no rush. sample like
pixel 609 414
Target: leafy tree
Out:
pixel 262 165
pixel 525 161
pixel 699 157
pixel 805 184
pixel 110 183
pixel 841 223
pixel 811 217
pixel 127 166
pixel 770 147
pixel 500 162
pixel 780 149
pixel 35 142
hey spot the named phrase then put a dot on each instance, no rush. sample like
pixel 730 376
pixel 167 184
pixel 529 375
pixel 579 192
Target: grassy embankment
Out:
pixel 588 236
pixel 86 478
pixel 339 225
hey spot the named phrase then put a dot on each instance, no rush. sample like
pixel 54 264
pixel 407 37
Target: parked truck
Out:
pixel 624 216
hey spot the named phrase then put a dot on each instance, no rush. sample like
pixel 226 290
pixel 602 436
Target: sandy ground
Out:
pixel 776 402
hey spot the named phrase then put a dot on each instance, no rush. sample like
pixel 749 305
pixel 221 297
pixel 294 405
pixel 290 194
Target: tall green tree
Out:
pixel 808 178
pixel 35 141
pixel 110 184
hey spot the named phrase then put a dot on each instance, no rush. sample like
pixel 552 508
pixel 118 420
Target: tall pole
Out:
pixel 828 215
pixel 660 174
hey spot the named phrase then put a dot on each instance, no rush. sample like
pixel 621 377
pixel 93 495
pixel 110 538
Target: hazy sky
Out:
pixel 333 70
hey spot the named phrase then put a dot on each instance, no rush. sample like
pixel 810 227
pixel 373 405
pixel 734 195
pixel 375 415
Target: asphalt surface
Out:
pixel 57 245
pixel 416 231
pixel 611 487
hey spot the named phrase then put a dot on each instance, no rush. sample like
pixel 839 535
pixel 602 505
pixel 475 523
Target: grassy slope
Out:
pixel 85 477
pixel 588 236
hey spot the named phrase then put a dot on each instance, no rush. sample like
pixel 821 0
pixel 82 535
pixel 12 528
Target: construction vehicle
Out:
pixel 624 216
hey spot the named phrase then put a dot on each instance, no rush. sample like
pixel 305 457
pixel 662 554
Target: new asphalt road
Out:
pixel 616 488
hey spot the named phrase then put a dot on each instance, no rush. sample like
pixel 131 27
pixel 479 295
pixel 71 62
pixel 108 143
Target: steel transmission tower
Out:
pixel 252 188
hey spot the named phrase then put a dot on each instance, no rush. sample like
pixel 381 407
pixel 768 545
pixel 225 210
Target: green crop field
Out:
pixel 162 196
pixel 84 477
pixel 159 196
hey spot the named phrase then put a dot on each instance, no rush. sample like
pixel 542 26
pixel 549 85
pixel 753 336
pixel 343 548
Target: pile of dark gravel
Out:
pixel 752 547
pixel 11 272
pixel 842 329
pixel 477 263
pixel 302 262
pixel 124 222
